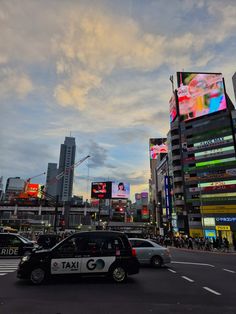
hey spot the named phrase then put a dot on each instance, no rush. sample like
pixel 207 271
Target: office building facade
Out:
pixel 51 182
pixel 203 158
pixel 14 186
pixel 66 169
pixel 234 84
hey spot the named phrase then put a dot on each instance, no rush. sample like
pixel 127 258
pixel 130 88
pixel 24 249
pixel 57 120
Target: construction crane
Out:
pixel 24 193
pixel 67 170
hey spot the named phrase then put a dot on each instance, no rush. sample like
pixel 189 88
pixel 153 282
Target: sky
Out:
pixel 99 70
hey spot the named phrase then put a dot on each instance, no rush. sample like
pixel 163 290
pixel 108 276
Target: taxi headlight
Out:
pixel 25 258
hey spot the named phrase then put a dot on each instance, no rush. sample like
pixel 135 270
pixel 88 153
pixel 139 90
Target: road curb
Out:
pixel 202 251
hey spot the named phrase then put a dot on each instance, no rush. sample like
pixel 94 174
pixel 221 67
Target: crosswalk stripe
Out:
pixel 8 266
pixel 8 270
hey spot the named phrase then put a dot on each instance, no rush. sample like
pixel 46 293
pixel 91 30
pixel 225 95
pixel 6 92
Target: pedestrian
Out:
pixel 226 245
pixel 190 243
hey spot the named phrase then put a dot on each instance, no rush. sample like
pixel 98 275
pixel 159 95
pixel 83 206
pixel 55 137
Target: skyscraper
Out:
pixel 234 84
pixel 51 182
pixel 13 187
pixel 66 161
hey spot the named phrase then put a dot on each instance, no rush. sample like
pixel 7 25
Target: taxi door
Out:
pixel 96 258
pixel 10 245
pixel 65 259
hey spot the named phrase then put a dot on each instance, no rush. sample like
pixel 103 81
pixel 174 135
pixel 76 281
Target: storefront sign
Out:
pixel 223 228
pixel 226 219
pixel 210 233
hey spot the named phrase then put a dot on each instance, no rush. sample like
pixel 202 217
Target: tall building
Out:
pixel 51 182
pixel 1 188
pixel 234 84
pixel 203 154
pixel 66 162
pixel 157 150
pixel 13 187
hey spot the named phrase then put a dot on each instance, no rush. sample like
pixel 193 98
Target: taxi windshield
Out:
pixel 25 240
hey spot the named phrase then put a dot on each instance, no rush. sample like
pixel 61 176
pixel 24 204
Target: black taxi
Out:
pixel 89 253
pixel 14 245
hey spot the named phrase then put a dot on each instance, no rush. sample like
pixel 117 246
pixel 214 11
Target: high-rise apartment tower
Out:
pixel 66 161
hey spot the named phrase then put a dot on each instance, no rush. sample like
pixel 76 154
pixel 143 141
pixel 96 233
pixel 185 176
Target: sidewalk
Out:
pixel 214 251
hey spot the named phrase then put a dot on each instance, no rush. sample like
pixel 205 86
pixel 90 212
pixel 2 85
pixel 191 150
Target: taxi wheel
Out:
pixel 118 274
pixel 156 261
pixel 37 275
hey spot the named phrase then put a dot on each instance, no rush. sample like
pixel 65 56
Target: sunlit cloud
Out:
pixel 102 72
pixel 14 84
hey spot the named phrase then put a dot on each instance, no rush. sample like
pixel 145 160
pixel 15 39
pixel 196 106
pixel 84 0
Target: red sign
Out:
pixel 220 187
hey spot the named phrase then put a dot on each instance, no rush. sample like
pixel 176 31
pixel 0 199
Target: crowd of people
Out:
pixel 199 243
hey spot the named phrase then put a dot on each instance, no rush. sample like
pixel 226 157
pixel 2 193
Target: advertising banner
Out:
pixel 157 146
pixel 210 233
pixel 173 108
pixel 101 190
pixel 120 190
pixel 214 142
pixel 33 190
pixel 200 94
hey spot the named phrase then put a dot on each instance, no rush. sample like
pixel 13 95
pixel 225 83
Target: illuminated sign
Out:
pixel 214 162
pixel 167 195
pixel 120 190
pixel 214 141
pixel 173 108
pixel 223 228
pixel 157 146
pixel 214 152
pixel 210 233
pixel 226 219
pixel 101 190
pixel 200 94
pixel 218 209
pixel 145 212
pixel 209 221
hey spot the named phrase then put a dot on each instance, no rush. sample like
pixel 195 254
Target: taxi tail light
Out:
pixel 133 252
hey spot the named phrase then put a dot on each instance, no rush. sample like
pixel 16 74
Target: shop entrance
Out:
pixel 225 234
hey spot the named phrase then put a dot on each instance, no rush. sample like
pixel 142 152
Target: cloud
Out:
pixel 14 83
pixel 98 155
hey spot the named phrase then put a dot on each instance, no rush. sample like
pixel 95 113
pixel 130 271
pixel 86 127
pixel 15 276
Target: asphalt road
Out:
pixel 193 282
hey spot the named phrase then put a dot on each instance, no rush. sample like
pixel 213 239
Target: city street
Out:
pixel 195 281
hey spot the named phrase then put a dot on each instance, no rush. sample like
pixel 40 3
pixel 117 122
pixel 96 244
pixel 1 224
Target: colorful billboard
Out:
pixel 157 146
pixel 120 189
pixel 101 190
pixel 200 94
pixel 173 107
pixel 144 194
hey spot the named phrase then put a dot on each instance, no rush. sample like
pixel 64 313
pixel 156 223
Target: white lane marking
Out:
pixel 189 263
pixel 230 271
pixel 212 291
pixel 173 271
pixel 188 279
pixel 8 270
pixel 2 274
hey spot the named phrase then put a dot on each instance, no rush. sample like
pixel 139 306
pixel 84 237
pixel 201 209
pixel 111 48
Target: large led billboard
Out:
pixel 173 108
pixel 200 94
pixel 157 146
pixel 101 190
pixel 120 189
